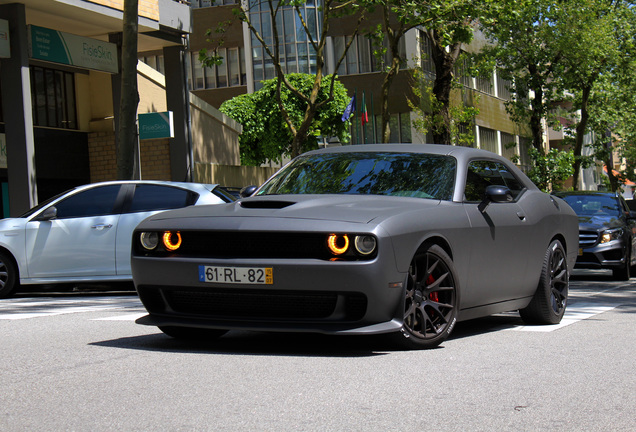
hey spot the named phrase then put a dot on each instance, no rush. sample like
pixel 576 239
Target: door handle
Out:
pixel 100 227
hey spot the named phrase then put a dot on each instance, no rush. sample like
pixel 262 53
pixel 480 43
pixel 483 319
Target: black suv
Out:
pixel 607 229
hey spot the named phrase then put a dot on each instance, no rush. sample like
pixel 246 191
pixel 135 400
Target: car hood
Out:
pixel 596 223
pixel 342 208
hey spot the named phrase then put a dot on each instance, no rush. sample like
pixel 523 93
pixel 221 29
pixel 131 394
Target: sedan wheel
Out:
pixel 192 333
pixel 549 301
pixel 8 276
pixel 431 301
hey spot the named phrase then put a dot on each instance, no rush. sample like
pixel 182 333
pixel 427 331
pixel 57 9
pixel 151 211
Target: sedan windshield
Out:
pixel 593 205
pixel 396 174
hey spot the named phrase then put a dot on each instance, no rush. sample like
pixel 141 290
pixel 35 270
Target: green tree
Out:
pixel 300 127
pixel 266 135
pixel 522 50
pixel 448 24
pixel 426 110
pixel 595 37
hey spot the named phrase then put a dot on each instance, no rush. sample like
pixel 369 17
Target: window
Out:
pixel 231 72
pixel 488 140
pixel 426 53
pixel 53 98
pixel 503 88
pixel 508 145
pixel 93 202
pixel 157 197
pixel 360 57
pixel 482 174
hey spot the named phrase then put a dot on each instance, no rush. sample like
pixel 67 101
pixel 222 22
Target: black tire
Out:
pixel 550 299
pixel 9 280
pixel 623 273
pixel 192 333
pixel 431 300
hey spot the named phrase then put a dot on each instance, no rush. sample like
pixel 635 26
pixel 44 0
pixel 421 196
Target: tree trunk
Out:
pixel 128 138
pixel 580 135
pixel 444 61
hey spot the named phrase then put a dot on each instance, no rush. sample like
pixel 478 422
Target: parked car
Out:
pixel 399 239
pixel 83 235
pixel 607 229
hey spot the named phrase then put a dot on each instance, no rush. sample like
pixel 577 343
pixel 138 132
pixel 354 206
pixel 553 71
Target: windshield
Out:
pixel 593 205
pixel 396 174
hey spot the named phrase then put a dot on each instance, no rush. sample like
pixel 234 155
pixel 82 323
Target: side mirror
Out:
pixel 496 194
pixel 48 214
pixel 247 191
pixel 499 194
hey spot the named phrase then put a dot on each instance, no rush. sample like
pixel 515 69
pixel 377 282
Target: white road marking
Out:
pixel 574 313
pixel 127 317
pixel 19 309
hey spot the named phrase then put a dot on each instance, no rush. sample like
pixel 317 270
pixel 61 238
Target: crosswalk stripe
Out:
pixel 126 317
pixel 573 313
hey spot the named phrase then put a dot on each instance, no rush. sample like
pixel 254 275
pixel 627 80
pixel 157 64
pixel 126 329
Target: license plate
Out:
pixel 237 275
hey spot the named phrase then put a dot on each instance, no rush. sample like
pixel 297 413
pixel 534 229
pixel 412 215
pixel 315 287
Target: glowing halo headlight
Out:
pixel 149 240
pixel 338 243
pixel 365 244
pixel 172 240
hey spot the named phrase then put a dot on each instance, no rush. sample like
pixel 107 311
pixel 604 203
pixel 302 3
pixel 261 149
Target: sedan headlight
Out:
pixel 610 235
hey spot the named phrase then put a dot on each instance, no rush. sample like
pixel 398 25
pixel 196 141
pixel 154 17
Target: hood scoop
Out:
pixel 265 204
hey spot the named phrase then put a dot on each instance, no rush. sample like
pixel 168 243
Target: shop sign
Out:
pixel 5 44
pixel 156 125
pixel 69 49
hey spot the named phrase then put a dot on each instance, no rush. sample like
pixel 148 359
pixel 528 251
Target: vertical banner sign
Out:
pixel 5 42
pixel 69 49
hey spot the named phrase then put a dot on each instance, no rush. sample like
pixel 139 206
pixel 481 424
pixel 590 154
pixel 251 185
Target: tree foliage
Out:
pixel 266 135
pixel 448 24
pixel 300 127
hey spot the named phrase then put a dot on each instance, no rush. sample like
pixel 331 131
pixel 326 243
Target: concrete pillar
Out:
pixel 16 105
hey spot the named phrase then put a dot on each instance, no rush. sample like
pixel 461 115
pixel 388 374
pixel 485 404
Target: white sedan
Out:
pixel 84 235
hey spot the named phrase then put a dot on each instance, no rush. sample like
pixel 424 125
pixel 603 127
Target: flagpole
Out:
pixel 355 93
pixel 375 140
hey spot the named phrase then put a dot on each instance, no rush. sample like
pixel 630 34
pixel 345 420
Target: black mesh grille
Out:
pixel 256 304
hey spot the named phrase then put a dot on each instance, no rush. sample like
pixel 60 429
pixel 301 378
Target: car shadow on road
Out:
pixel 299 344
pixel 258 343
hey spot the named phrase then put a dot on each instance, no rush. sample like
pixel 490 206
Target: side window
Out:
pixel 93 202
pixel 157 197
pixel 481 174
pixel 510 180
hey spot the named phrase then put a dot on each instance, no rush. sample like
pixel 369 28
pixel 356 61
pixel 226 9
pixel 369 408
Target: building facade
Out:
pixel 361 72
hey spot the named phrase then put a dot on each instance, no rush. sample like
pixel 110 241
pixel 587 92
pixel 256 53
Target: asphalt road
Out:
pixel 79 362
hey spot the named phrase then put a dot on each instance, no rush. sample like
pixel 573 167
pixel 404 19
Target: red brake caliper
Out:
pixel 433 296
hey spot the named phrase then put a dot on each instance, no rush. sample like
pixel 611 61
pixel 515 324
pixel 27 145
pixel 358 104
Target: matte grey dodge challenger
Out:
pixel 401 239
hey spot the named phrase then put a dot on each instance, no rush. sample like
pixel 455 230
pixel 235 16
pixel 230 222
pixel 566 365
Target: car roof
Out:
pixel 187 185
pixel 440 149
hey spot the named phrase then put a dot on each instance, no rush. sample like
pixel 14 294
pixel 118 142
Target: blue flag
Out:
pixel 351 108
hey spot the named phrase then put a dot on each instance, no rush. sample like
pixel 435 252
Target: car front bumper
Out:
pixel 308 295
pixel 609 255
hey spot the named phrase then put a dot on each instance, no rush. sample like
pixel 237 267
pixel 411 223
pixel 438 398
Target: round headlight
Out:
pixel 149 240
pixel 172 240
pixel 365 244
pixel 338 243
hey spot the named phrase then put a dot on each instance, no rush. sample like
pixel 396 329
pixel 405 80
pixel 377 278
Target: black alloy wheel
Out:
pixel 550 300
pixel 431 299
